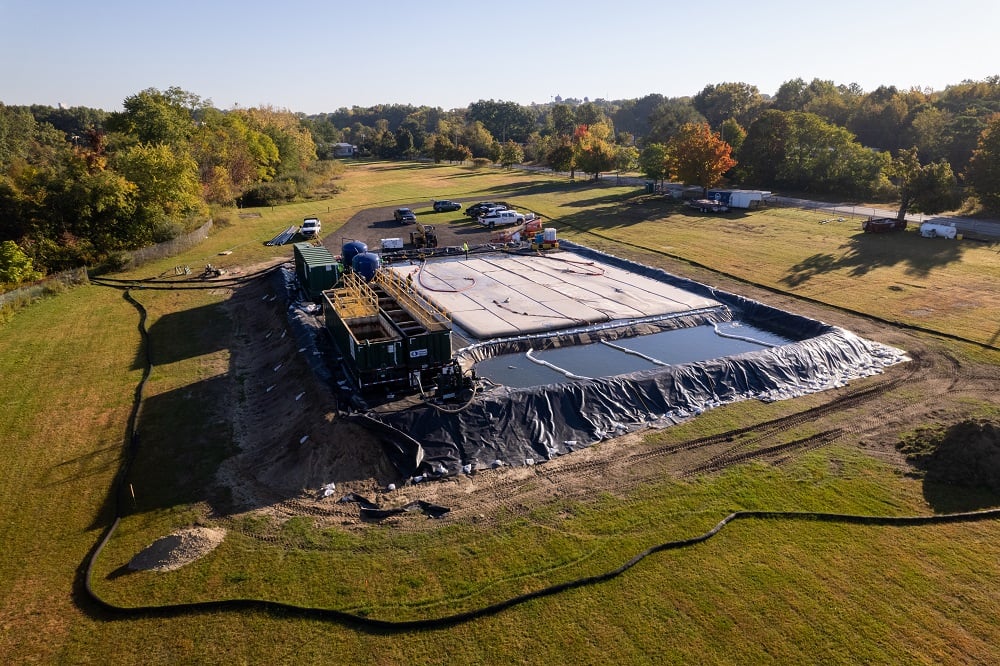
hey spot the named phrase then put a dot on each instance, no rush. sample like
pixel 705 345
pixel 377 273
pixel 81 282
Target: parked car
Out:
pixel 310 227
pixel 484 207
pixel 405 216
pixel 445 205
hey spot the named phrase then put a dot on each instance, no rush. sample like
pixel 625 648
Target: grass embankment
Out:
pixel 761 591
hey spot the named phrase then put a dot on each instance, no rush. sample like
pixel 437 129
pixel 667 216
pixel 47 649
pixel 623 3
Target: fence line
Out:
pixel 169 248
pixel 59 281
pixel 52 283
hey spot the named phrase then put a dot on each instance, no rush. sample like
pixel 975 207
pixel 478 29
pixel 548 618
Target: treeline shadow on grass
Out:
pixel 865 253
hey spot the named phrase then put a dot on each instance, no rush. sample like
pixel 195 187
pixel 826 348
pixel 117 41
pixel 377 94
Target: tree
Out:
pixel 479 140
pixel 15 266
pixel 733 134
pixel 439 147
pixel 669 116
pixel 929 133
pixel 594 151
pixel 459 153
pixel 626 158
pixel 717 103
pixel 654 162
pixel 563 119
pixel 154 116
pixel 510 153
pixel 700 156
pixel 169 189
pixel 984 168
pixel 928 188
pixel 561 156
pixel 503 120
pixel 801 151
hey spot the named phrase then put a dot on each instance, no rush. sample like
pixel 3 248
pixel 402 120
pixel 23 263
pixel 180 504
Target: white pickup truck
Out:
pixel 310 227
pixel 496 218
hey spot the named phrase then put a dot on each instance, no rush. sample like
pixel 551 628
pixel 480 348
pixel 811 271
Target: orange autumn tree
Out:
pixel 699 156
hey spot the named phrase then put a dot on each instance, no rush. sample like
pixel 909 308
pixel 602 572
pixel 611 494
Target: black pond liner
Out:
pixel 523 426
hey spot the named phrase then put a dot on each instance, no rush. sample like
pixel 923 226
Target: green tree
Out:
pixel 480 141
pixel 15 266
pixel 654 161
pixel 669 116
pixel 733 134
pixel 511 153
pixel 801 151
pixel 626 158
pixel 929 133
pixel 700 156
pixel 459 153
pixel 563 119
pixel 561 156
pixel 717 103
pixel 927 188
pixel 984 168
pixel 440 147
pixel 154 116
pixel 503 120
pixel 168 189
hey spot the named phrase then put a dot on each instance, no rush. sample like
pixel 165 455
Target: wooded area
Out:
pixel 78 186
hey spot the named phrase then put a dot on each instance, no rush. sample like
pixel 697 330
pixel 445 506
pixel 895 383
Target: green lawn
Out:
pixel 763 591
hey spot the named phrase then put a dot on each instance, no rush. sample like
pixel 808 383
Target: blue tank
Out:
pixel 350 250
pixel 366 265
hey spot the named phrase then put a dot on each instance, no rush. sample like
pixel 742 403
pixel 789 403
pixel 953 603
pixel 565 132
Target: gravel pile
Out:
pixel 175 550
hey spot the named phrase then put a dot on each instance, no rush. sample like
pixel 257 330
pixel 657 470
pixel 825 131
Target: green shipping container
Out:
pixel 315 268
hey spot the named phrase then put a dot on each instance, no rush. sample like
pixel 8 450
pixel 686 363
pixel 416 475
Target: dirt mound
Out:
pixel 964 454
pixel 175 550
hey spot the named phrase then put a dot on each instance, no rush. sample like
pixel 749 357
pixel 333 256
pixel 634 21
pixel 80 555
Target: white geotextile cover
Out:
pixel 501 295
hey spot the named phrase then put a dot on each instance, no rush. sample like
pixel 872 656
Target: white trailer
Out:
pixel 747 198
pixel 937 230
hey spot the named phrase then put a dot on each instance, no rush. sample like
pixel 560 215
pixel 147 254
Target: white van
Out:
pixel 935 230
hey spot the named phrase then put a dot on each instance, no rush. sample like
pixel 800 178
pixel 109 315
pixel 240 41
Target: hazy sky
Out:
pixel 319 56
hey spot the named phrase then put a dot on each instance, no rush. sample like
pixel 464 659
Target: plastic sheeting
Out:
pixel 520 426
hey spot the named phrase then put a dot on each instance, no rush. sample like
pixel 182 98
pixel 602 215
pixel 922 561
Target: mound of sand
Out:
pixel 175 550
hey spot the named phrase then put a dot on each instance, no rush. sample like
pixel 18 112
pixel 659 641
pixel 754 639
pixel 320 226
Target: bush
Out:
pixel 270 194
pixel 965 454
pixel 481 162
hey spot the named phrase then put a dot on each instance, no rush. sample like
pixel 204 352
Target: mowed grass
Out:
pixel 760 592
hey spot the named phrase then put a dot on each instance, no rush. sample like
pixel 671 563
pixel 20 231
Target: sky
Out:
pixel 316 57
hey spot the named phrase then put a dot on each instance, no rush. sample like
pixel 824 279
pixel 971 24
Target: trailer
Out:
pixel 739 198
pixel 880 225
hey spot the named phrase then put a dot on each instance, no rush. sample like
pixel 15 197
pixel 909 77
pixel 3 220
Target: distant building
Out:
pixel 344 150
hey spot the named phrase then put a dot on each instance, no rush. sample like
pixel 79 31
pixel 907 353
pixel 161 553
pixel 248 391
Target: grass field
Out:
pixel 761 592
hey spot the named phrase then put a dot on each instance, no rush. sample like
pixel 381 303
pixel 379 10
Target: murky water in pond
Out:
pixel 600 360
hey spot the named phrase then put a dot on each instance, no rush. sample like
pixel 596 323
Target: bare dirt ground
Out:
pixel 294 442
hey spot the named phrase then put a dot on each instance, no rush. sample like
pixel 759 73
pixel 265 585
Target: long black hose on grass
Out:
pixel 285 609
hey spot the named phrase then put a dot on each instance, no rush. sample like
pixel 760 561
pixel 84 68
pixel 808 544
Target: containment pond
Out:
pixel 542 366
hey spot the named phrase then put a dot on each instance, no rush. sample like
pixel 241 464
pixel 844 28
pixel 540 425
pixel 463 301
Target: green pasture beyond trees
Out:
pixel 761 591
